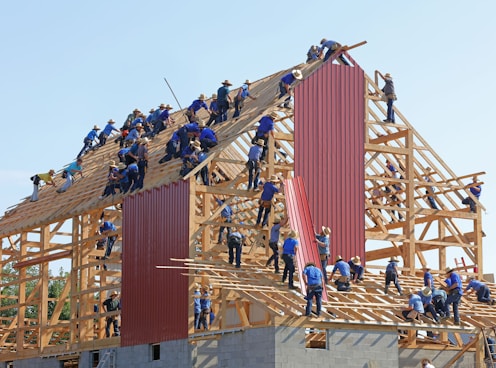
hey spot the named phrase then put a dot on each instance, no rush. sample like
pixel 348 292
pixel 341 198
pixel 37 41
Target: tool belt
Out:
pixel 265 204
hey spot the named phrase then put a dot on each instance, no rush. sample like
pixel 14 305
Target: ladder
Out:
pixel 107 360
pixel 461 264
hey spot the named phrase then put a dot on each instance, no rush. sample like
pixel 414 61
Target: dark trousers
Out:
pixel 203 318
pixel 223 106
pixel 87 145
pixel 283 92
pixel 238 105
pixel 392 277
pixel 430 309
pixel 275 256
pixel 171 151
pixel 262 211
pixel 340 57
pixel 323 263
pixel 112 321
pixel 432 202
pixel 222 228
pixel 110 188
pixel 214 117
pixel 313 291
pixel 289 268
pixel 253 173
pixel 207 143
pixel 110 243
pixel 142 165
pixel 484 294
pixel 232 250
pixel 471 202
pixel 390 111
pixel 454 298
pixel 132 176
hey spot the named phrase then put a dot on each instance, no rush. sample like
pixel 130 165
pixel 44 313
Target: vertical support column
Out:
pixel 192 249
pixel 75 296
pixel 409 227
pixel 478 242
pixel 44 335
pixel 21 298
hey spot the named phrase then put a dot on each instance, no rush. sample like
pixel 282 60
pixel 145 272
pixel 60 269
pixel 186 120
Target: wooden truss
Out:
pixel 63 227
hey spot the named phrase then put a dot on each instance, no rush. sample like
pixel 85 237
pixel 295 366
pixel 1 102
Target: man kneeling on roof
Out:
pixel 356 270
pixel 343 282
pixel 415 307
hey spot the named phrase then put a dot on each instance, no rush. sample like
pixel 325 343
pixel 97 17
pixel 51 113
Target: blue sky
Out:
pixel 66 66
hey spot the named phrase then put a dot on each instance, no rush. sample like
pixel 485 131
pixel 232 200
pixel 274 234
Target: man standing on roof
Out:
pixel 331 46
pixel 454 290
pixel 213 109
pixel 343 282
pixel 235 244
pixel 226 216
pixel 285 85
pixel 314 281
pixel 243 92
pixel 356 270
pixel 195 106
pixel 69 172
pixel 275 233
pixel 265 128
pixel 323 243
pixel 481 289
pixel 289 250
pixel 388 91
pixel 106 132
pixel 428 278
pixel 88 140
pixel 475 188
pixel 253 164
pixel 223 100
pixel 47 178
pixel 392 275
pixel 142 162
pixel 269 190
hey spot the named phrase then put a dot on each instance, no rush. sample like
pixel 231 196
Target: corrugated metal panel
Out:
pixel 301 220
pixel 329 152
pixel 155 301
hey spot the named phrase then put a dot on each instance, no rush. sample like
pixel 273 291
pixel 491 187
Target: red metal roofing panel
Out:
pixel 155 228
pixel 301 220
pixel 329 152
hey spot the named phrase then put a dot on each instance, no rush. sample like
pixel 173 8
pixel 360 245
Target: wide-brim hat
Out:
pixel 51 172
pixel 326 230
pixel 152 110
pixel 227 83
pixel 387 75
pixel 122 166
pixel 248 82
pixel 96 127
pixel 144 141
pixel 112 163
pixel 293 234
pixel 136 110
pixel 168 107
pixel 274 115
pixel 277 220
pixel 114 293
pixel 297 74
pixel 274 179
pixel 339 258
pixel 201 123
pixel 448 270
pixel 196 144
pixel 202 97
pixel 426 267
pixel 393 259
pixel 356 260
pixel 214 96
pixel 426 291
pixel 260 142
pixel 111 121
pixel 161 106
pixel 138 125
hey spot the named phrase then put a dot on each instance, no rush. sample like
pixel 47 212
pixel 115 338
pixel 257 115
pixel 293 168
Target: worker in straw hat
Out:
pixel 426 296
pixel 454 289
pixel 46 177
pixel 343 282
pixel 314 282
pixel 356 270
pixel 415 307
pixel 88 140
pixel 265 129
pixel 223 100
pixel 269 190
pixel 195 106
pixel 275 233
pixel 243 93
pixel 390 95
pixel 323 244
pixel 392 275
pixel 213 109
pixel 254 164
pixel 481 289
pixel 289 250
pixel 111 304
pixel 285 85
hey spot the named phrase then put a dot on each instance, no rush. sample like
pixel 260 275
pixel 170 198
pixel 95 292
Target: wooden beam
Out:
pixel 43 259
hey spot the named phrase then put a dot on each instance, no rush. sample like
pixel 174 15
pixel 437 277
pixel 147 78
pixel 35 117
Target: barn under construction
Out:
pixel 329 149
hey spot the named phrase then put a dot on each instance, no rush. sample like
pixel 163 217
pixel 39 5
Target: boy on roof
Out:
pixel 46 177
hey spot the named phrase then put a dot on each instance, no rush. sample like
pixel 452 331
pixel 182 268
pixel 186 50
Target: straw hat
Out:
pixel 260 142
pixel 448 270
pixel 387 75
pixel 202 97
pixel 277 220
pixel 274 115
pixel 393 259
pixel 196 144
pixel 114 293
pixel 248 82
pixel 274 179
pixel 326 230
pixel 426 267
pixel 111 121
pixel 151 110
pixel 297 74
pixel 356 260
pixel 51 172
pixel 144 141
pixel 121 166
pixel 201 123
pixel 227 83
pixel 293 234
pixel 138 125
pixel 426 291
pixel 214 96
pixel 339 258
pixel 96 127
pixel 112 163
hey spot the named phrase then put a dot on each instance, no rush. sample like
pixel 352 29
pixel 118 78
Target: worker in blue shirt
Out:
pixel 426 297
pixel 223 100
pixel 415 306
pixel 481 289
pixel 213 109
pixel 455 291
pixel 254 164
pixel 69 174
pixel 356 269
pixel 235 245
pixel 135 133
pixel 88 140
pixel 205 305
pixel 243 93
pixel 265 128
pixel 285 85
pixel 197 307
pixel 343 282
pixel 123 177
pixel 208 138
pixel 186 132
pixel 195 106
pixel 171 149
pixel 106 132
pixel 428 278
pixel 331 46
pixel 475 188
pixel 226 216
pixel 275 233
pixel 392 275
pixel 314 281
pixel 313 54
pixel 269 190
pixel 106 229
pixel 162 120
pixel 289 250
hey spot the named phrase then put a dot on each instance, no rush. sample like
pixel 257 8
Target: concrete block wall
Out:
pixel 411 358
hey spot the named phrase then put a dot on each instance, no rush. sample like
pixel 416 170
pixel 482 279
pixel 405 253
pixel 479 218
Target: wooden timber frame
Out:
pixel 64 227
